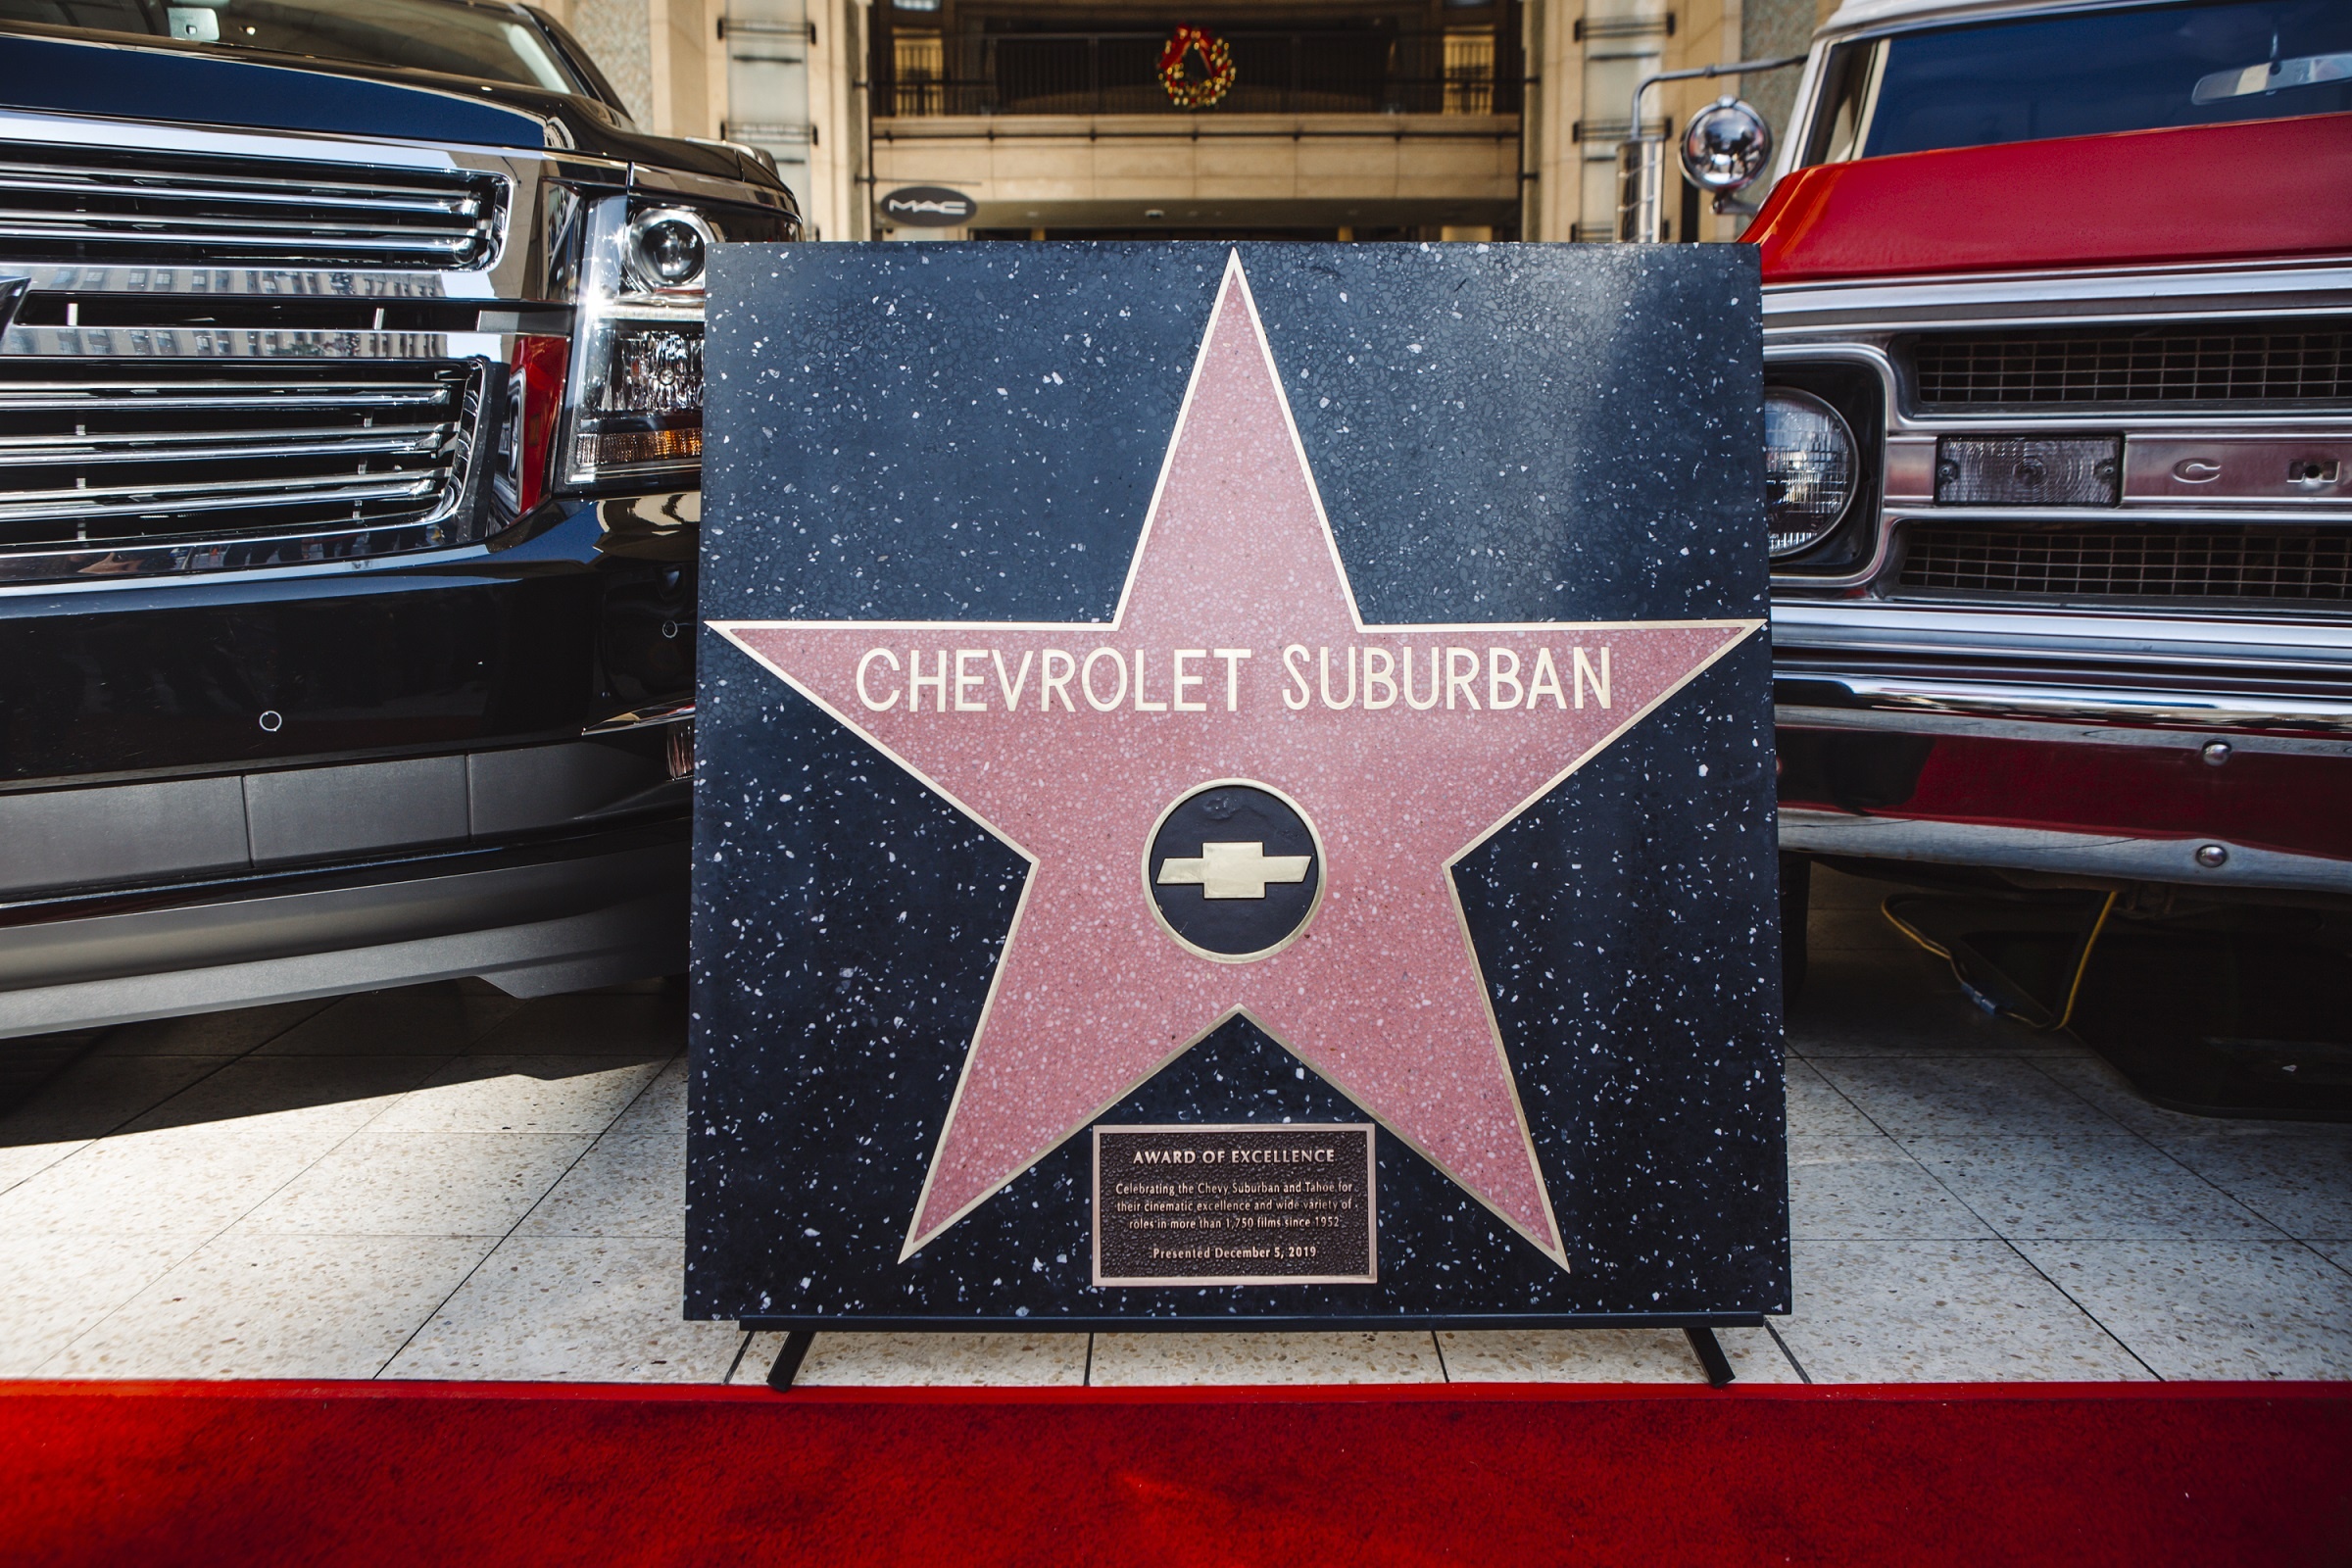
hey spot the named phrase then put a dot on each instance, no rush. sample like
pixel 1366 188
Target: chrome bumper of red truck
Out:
pixel 2179 790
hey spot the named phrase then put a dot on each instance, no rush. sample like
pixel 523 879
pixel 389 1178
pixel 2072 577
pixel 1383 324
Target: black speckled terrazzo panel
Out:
pixel 972 432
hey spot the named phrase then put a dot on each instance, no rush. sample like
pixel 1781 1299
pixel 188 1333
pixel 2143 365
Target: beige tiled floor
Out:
pixel 1010 1360
pixel 1601 1356
pixel 444 1182
pixel 571 1308
pixel 1971 1312
pixel 1133 1361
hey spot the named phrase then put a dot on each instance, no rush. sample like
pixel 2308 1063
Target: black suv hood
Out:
pixel 134 77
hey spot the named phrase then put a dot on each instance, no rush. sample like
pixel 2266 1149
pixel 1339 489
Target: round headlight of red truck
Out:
pixel 1810 465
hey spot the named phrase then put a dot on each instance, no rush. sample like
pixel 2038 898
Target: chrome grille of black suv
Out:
pixel 99 454
pixel 2147 563
pixel 97 204
pixel 2216 363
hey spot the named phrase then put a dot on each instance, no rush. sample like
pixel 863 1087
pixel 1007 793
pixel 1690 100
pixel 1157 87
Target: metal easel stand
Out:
pixel 1709 1351
pixel 1704 1345
pixel 795 1350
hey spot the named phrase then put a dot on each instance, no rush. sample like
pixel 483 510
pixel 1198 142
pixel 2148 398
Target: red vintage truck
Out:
pixel 2058 339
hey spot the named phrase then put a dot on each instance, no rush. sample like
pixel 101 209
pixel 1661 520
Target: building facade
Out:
pixel 1229 119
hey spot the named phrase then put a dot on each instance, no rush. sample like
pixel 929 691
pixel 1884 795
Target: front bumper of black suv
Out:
pixel 226 789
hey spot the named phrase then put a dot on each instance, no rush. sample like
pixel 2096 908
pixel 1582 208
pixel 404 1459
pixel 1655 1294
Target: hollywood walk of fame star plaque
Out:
pixel 1166 686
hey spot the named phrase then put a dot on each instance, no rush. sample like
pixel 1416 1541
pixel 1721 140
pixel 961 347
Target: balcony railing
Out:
pixel 1362 71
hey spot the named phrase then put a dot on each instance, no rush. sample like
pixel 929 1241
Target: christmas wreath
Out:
pixel 1217 59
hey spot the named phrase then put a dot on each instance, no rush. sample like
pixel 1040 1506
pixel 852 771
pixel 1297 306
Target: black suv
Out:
pixel 349 430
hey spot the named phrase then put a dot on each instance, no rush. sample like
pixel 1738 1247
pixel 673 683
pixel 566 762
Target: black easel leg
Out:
pixel 795 1350
pixel 1702 1345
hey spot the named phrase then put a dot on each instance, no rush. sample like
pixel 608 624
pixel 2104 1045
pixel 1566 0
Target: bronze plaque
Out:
pixel 1233 1206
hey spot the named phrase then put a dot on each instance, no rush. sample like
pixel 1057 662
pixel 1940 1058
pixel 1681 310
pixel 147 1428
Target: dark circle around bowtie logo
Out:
pixel 1234 870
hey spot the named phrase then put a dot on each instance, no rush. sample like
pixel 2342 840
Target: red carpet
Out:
pixel 458 1472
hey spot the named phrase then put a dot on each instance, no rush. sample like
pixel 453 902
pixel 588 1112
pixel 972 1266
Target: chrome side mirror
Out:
pixel 1728 146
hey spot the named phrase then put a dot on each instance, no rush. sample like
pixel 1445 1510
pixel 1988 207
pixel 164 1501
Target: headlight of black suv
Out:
pixel 636 395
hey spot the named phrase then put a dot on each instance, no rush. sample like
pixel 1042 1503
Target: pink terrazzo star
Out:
pixel 1381 992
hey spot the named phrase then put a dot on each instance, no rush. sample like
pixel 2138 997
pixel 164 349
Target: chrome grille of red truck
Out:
pixel 2157 562
pixel 2207 362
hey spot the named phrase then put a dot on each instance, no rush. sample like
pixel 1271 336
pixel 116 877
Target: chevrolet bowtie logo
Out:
pixel 1233 870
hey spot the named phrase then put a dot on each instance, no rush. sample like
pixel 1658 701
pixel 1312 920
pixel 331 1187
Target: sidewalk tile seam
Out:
pixel 430 1317
pixel 326 1153
pixel 1986 1222
pixel 2282 1227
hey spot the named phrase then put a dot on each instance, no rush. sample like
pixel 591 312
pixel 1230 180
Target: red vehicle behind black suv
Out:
pixel 2058 327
